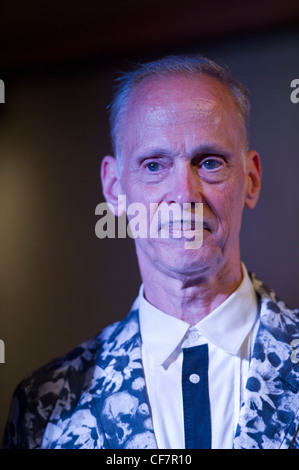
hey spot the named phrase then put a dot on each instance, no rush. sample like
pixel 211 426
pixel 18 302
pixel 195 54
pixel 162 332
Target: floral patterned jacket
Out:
pixel 95 396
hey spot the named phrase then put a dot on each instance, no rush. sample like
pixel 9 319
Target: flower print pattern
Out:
pixel 95 396
pixel 271 401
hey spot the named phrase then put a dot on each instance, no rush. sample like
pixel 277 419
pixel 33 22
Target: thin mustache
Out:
pixel 181 222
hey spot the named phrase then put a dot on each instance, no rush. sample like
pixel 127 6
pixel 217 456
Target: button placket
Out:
pixel 196 404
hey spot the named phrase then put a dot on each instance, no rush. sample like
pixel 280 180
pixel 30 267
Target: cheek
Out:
pixel 137 191
pixel 227 202
pixel 149 197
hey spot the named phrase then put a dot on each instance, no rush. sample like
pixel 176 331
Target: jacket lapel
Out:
pixel 113 411
pixel 121 398
pixel 268 415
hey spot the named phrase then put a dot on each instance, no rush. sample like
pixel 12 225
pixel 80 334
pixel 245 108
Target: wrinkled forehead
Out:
pixel 187 110
pixel 157 100
pixel 180 103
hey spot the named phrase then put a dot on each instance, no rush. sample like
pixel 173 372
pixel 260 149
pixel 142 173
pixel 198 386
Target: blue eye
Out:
pixel 153 166
pixel 211 164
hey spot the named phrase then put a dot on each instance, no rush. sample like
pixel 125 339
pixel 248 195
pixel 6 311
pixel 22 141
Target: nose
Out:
pixel 184 185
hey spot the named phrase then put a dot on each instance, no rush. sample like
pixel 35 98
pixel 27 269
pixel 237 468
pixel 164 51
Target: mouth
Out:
pixel 182 228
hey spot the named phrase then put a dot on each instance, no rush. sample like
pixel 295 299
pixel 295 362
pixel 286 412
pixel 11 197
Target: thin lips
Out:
pixel 179 225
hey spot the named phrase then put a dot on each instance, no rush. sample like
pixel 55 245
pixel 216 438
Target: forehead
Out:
pixel 172 106
pixel 180 93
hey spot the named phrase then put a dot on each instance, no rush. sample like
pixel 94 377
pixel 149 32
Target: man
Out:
pixel 207 356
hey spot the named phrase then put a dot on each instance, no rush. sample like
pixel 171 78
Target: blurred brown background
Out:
pixel 60 284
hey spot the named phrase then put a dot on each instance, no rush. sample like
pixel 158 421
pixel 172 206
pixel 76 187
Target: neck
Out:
pixel 190 299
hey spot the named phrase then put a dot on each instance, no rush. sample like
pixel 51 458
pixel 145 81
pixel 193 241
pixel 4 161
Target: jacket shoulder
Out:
pixel 279 314
pixel 59 382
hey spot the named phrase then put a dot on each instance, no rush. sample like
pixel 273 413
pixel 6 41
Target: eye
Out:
pixel 153 166
pixel 211 164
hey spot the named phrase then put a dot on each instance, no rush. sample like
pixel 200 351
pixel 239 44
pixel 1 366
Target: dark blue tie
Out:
pixel 196 402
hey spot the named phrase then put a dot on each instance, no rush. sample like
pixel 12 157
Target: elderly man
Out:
pixel 207 356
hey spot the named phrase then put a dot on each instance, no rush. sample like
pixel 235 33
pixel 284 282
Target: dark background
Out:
pixel 60 284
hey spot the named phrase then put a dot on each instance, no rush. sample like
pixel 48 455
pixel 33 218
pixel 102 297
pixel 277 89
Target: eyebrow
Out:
pixel 200 150
pixel 211 149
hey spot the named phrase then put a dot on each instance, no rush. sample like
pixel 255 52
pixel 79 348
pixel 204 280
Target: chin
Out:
pixel 173 257
pixel 185 262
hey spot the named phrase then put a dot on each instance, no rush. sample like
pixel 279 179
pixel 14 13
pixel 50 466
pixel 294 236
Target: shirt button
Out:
pixel 194 378
pixel 193 336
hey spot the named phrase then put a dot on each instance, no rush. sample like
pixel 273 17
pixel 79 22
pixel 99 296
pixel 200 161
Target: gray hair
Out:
pixel 191 65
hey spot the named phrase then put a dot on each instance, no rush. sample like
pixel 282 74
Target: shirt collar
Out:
pixel 161 333
pixel 227 326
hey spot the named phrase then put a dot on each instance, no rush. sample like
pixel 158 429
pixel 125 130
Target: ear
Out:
pixel 111 184
pixel 253 177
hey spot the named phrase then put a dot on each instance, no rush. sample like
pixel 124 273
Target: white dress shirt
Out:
pixel 229 331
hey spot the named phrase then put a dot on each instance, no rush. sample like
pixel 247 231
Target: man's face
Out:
pixel 182 141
